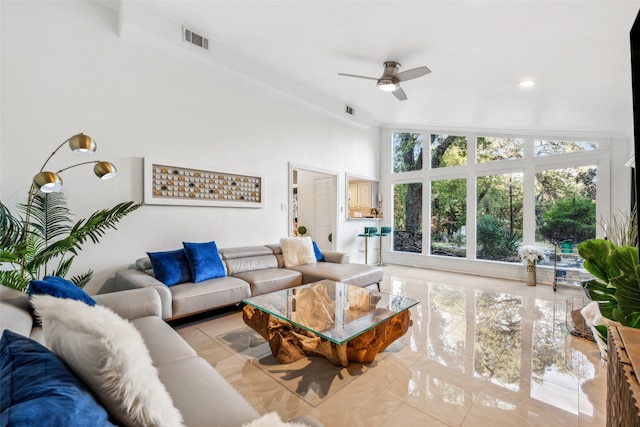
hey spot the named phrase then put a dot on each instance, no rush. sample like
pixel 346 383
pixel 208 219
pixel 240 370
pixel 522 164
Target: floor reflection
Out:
pixel 510 349
pixel 480 352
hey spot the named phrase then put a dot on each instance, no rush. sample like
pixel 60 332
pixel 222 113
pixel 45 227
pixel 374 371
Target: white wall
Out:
pixel 66 70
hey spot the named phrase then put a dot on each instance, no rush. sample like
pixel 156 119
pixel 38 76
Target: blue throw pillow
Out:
pixel 38 389
pixel 60 288
pixel 204 261
pixel 316 251
pixel 170 267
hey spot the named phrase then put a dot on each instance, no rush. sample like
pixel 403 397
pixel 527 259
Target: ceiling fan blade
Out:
pixel 399 93
pixel 413 73
pixel 359 77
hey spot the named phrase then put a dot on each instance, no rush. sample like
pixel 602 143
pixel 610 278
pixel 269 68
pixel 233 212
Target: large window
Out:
pixel 448 150
pixel 407 217
pixel 566 206
pixel 546 147
pixel 407 151
pixel 499 216
pixel 487 195
pixel 449 217
pixel 491 149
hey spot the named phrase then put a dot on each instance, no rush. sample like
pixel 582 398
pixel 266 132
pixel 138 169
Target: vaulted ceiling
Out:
pixel 577 52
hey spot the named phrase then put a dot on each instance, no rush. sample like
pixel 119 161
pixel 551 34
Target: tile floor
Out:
pixel 481 351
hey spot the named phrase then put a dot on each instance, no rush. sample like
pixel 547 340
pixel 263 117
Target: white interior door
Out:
pixel 325 208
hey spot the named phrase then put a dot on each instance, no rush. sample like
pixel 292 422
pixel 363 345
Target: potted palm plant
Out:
pixel 42 239
pixel 46 241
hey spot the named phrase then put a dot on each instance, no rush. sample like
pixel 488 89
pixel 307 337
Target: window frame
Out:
pixel 528 165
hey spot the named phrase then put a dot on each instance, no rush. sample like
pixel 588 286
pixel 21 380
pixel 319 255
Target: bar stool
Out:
pixel 384 232
pixel 368 232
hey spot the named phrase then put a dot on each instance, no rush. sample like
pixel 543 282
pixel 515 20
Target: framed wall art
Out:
pixel 166 183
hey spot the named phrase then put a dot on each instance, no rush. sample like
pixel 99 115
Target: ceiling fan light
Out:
pixel 388 85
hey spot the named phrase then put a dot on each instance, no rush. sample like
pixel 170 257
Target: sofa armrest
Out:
pixel 336 257
pixel 136 279
pixel 132 303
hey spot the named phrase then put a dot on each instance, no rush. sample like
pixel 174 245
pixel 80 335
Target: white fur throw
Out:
pixel 271 419
pixel 297 251
pixel 110 356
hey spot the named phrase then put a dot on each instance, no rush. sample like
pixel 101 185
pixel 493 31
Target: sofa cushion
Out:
pixel 270 280
pixel 144 263
pixel 245 252
pixel 247 258
pixel 163 343
pixel 110 357
pixel 170 267
pixel 204 261
pixel 61 288
pixel 191 381
pixel 251 263
pixel 188 298
pixel 15 318
pixel 297 251
pixel 39 389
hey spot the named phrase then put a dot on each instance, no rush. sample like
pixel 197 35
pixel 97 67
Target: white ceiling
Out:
pixel 577 51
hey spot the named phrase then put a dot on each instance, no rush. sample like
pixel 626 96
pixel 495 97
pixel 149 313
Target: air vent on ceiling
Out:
pixel 195 38
pixel 349 110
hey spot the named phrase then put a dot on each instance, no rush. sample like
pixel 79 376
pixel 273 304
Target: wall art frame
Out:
pixel 169 183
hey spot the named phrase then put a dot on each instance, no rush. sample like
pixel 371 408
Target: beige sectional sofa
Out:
pixel 201 394
pixel 250 271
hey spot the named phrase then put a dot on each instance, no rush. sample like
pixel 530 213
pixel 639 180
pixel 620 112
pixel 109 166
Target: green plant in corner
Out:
pixel 41 239
pixel 616 283
pixel 50 242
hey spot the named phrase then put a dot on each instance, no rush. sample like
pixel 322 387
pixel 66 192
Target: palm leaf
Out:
pixel 63 267
pixel 82 279
pixel 50 235
pixel 49 216
pixel 11 227
pixel 13 279
pixel 92 228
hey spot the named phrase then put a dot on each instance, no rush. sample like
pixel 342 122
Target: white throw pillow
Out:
pixel 110 356
pixel 297 251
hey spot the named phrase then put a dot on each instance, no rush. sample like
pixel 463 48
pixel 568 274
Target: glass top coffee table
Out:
pixel 341 322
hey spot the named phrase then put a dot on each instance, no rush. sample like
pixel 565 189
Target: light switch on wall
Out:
pixel 283 206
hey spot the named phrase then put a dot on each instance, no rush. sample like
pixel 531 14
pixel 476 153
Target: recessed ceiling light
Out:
pixel 527 83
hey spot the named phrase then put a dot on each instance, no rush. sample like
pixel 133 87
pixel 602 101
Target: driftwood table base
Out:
pixel 289 343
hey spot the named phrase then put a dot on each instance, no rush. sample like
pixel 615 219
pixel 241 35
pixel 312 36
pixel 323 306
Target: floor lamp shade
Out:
pixel 82 144
pixel 48 182
pixel 105 170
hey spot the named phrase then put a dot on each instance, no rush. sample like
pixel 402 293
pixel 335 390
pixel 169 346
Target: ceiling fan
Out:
pixel 391 78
